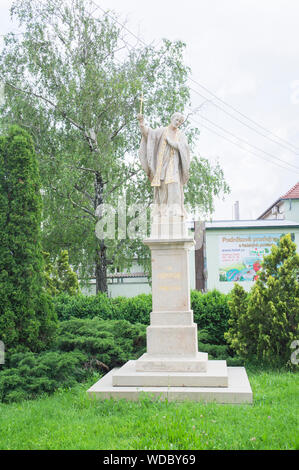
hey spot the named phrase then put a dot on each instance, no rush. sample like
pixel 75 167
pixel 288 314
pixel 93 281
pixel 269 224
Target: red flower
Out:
pixel 257 266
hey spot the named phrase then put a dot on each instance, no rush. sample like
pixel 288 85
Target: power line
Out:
pixel 240 148
pixel 294 149
pixel 222 101
pixel 248 143
pixel 242 114
pixel 247 125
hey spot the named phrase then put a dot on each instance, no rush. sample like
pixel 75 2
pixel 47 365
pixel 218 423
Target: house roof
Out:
pixel 293 193
pixel 263 223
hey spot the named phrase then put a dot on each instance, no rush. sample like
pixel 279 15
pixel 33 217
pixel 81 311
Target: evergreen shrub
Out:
pixel 81 347
pixel 264 324
pixel 27 317
pixel 83 306
pixel 111 342
pixel 26 375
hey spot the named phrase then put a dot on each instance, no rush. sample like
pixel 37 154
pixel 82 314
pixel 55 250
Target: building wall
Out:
pixel 128 288
pixel 288 210
pixel 291 209
pixel 213 253
pixel 278 216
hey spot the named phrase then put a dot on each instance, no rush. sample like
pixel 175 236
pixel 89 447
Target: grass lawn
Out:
pixel 70 420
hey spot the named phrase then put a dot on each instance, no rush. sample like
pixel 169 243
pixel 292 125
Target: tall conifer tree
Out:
pixel 26 313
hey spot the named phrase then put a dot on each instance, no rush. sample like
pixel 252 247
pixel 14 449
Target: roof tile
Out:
pixel 293 193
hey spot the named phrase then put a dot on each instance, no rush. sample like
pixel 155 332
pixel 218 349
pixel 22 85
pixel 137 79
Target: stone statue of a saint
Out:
pixel 165 157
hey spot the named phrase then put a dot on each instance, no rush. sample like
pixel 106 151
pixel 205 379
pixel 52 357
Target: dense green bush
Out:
pixel 133 309
pixel 264 323
pixel 27 375
pixel 82 346
pixel 83 306
pixel 110 342
pixel 211 313
pixel 211 310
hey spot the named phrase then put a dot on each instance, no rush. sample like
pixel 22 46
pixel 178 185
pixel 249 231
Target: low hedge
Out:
pixel 211 311
pixel 27 375
pixel 110 342
pixel 81 347
pixel 83 306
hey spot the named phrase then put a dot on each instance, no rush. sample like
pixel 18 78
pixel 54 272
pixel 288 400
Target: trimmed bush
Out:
pixel 211 313
pixel 83 306
pixel 133 309
pixel 110 342
pixel 211 310
pixel 27 375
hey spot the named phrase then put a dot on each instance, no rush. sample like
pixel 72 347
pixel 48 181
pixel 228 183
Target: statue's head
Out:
pixel 177 119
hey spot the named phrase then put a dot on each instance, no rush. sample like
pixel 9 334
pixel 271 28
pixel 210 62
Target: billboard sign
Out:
pixel 241 255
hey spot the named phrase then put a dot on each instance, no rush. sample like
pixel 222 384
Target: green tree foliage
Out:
pixel 27 316
pixel 264 323
pixel 59 275
pixel 79 97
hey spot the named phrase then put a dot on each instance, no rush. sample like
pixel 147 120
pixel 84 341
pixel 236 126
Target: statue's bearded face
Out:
pixel 176 120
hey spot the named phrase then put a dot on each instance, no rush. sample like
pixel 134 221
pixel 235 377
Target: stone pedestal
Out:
pixel 172 367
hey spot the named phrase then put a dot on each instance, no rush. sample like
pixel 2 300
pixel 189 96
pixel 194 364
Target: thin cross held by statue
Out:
pixel 141 102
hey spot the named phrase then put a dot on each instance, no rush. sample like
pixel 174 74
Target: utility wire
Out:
pixel 248 143
pixel 242 114
pixel 244 150
pixel 293 148
pixel 225 111
pixel 296 151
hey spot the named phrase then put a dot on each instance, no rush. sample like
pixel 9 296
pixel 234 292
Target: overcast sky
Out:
pixel 246 53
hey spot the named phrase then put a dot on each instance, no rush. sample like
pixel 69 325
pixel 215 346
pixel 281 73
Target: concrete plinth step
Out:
pixel 215 376
pixel 196 363
pixel 238 390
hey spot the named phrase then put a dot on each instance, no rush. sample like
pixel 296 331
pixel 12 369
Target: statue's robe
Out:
pixel 167 168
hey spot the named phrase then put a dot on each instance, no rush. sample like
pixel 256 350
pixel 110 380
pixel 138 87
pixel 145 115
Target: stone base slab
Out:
pixel 237 392
pixel 196 363
pixel 215 376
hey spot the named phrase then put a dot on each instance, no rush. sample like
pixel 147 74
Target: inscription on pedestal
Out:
pixel 170 274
